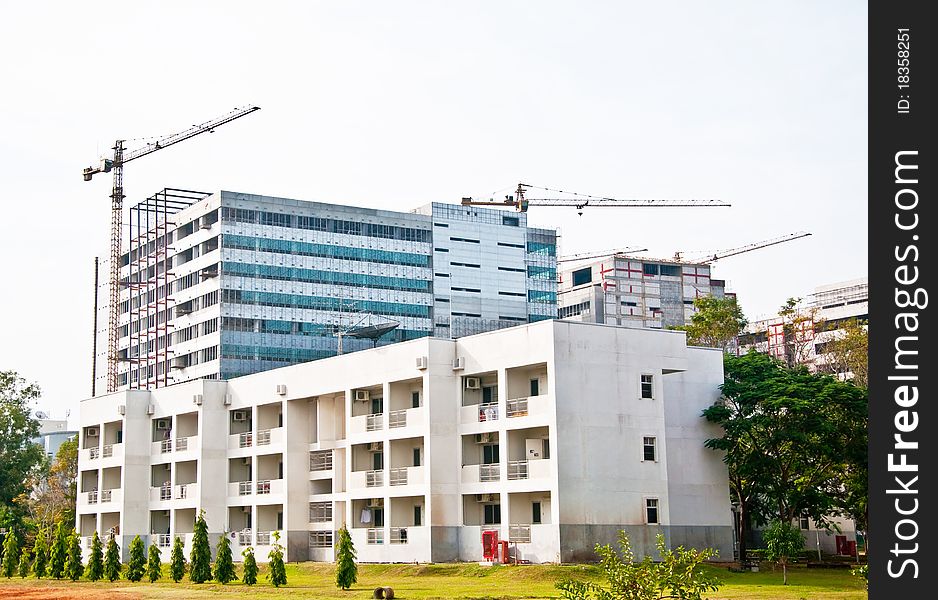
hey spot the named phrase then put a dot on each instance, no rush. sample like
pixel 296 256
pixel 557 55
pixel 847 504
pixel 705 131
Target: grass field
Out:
pixel 444 581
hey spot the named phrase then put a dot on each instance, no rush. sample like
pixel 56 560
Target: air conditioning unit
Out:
pixel 162 423
pixel 375 502
pixel 150 409
pixel 486 497
pixel 122 409
pixel 169 466
pixel 197 399
pixel 227 399
pixel 246 460
pixel 92 432
pixel 246 509
pixel 484 438
pixel 459 363
pixel 375 447
pixel 239 415
pixel 281 389
pixel 473 383
pixel 165 513
pixel 422 362
pixel 362 395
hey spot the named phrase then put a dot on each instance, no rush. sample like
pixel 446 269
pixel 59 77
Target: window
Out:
pixel 803 522
pixel 650 269
pixel 535 388
pixel 493 514
pixel 320 539
pixel 490 454
pixel 377 461
pixel 416 457
pixel 670 270
pixel 377 516
pixel 649 449
pixel 651 511
pixel 535 512
pixel 415 399
pixel 510 221
pixel 418 515
pixel 582 276
pixel 648 382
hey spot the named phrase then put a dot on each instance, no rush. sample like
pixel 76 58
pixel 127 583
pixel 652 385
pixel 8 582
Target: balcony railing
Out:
pixel 263 538
pixel 86 541
pixel 398 535
pixel 398 476
pixel 397 418
pixel 166 446
pixel 93 497
pixel 94 452
pixel 488 412
pixel 374 422
pixel 263 437
pixel 182 491
pixel 163 540
pixel 245 440
pixel 489 473
pixel 517 408
pixel 263 487
pixel 376 536
pixel 320 460
pixel 320 512
pixel 108 451
pixel 182 444
pixel 517 469
pixel 244 538
pixel 166 492
pixel 106 495
pixel 519 533
pixel 374 478
pixel 245 488
pixel 320 539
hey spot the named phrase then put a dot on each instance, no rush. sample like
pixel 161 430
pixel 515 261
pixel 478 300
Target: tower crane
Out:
pixel 115 166
pixel 587 255
pixel 708 258
pixel 580 201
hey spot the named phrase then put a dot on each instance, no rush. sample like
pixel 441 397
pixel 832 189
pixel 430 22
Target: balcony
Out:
pixel 364 423
pixel 162 447
pixel 479 413
pixel 112 450
pixel 366 479
pixel 245 538
pixel 269 486
pixel 405 476
pixel 94 453
pixel 399 535
pixel 187 443
pixel 397 418
pixel 320 512
pixel 263 538
pixel 266 437
pixel 183 490
pixel 241 488
pixel 523 407
pixel 320 460
pixel 375 536
pixel 517 408
pixel 112 495
pixel 480 473
pixel 240 440
pixel 92 497
pixel 163 540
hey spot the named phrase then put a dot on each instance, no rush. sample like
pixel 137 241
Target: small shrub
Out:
pixel 96 559
pixel 278 572
pixel 112 560
pixel 40 549
pixel 23 568
pixel 346 571
pixel 73 566
pixel 200 559
pixel 224 570
pixel 58 555
pixel 177 561
pixel 11 554
pixel 137 565
pixel 249 577
pixel 782 541
pixel 154 566
pixel 862 572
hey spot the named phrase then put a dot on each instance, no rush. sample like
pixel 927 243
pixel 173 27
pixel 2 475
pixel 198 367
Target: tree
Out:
pixel 18 454
pixel 112 560
pixel 716 324
pixel 137 565
pixel 50 494
pixel 346 571
pixel 224 567
pixel 23 568
pixel 789 437
pixel 782 541
pixel 847 352
pixel 40 549
pixel 73 566
pixel 249 577
pixel 58 555
pixel 676 575
pixel 200 559
pixel 177 561
pixel 96 559
pixel 11 553
pixel 154 566
pixel 277 571
pixel 798 327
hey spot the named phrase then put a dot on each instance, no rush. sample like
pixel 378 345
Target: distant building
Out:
pixel 620 289
pixel 52 432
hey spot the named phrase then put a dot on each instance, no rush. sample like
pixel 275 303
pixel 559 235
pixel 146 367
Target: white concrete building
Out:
pixel 554 435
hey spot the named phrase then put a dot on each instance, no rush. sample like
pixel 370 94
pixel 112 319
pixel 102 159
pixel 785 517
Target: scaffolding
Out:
pixel 149 282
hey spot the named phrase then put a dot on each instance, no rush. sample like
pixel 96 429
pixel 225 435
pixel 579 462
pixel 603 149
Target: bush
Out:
pixel 278 572
pixel 154 566
pixel 137 565
pixel 96 559
pixel 40 549
pixel 177 561
pixel 73 566
pixel 200 559
pixel 11 554
pixel 249 577
pixel 782 541
pixel 58 554
pixel 862 572
pixel 112 560
pixel 23 568
pixel 224 567
pixel 346 571
pixel 677 573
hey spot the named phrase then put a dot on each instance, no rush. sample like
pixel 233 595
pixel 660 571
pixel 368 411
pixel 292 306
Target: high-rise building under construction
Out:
pixel 215 286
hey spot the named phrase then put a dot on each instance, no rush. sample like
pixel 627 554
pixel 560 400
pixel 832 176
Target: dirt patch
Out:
pixel 63 593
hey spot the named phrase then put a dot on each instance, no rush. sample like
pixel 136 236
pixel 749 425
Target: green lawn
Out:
pixel 463 581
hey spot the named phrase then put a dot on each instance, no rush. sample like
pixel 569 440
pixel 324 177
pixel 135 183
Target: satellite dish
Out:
pixel 41 415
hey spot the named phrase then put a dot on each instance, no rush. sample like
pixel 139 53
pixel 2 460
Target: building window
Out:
pixel 648 386
pixel 582 276
pixel 803 522
pixel 493 514
pixel 415 399
pixel 490 454
pixel 416 457
pixel 535 513
pixel 649 449
pixel 510 221
pixel 651 511
pixel 418 515
pixel 535 391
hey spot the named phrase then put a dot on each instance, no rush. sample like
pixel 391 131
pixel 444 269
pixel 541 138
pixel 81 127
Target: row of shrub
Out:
pixel 63 559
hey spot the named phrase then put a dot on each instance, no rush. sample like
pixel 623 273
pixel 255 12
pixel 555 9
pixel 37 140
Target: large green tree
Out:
pixel 19 455
pixel 790 437
pixel 847 352
pixel 51 488
pixel 716 323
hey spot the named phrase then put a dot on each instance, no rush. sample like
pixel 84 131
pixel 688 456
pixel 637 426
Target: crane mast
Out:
pixel 115 165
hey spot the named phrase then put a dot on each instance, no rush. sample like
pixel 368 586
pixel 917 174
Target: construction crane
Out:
pixel 580 201
pixel 709 257
pixel 587 255
pixel 115 166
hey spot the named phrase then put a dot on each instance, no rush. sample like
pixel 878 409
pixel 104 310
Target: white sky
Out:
pixel 396 104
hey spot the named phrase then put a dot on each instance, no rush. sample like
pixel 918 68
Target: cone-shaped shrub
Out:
pixel 138 560
pixel 224 570
pixel 278 572
pixel 11 554
pixel 73 566
pixel 23 568
pixel 96 559
pixel 346 571
pixel 154 566
pixel 112 560
pixel 200 559
pixel 177 561
pixel 58 554
pixel 249 577
pixel 40 549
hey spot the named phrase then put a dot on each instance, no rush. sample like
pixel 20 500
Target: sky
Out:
pixel 397 104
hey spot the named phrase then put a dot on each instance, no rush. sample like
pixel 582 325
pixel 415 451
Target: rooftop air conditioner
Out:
pixel 375 502
pixel 483 438
pixel 422 362
pixel 162 423
pixel 473 383
pixel 239 415
pixel 459 363
pixel 150 409
pixel 197 399
pixel 92 432
pixel 122 409
pixel 362 395
pixel 281 389
pixel 375 447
